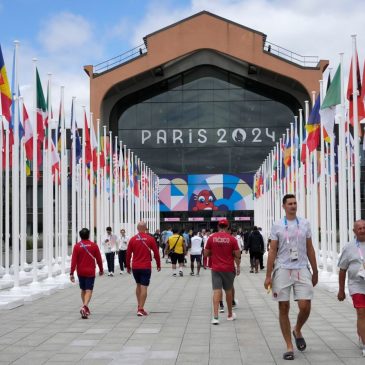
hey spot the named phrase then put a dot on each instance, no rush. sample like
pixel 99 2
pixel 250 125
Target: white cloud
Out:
pixel 64 31
pixel 306 27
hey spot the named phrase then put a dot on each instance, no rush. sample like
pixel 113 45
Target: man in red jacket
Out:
pixel 83 259
pixel 140 246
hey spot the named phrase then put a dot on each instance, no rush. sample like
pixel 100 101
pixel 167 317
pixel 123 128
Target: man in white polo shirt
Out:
pixel 287 267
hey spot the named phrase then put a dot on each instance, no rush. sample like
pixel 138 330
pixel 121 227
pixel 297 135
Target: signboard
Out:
pixel 172 219
pixel 196 219
pixel 194 193
pixel 242 219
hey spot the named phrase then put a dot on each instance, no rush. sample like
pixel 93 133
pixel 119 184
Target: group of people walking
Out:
pixel 291 266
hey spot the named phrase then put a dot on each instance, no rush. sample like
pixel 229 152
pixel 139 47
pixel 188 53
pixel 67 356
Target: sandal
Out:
pixel 288 355
pixel 299 342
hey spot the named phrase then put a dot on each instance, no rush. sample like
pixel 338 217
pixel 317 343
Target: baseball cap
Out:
pixel 223 222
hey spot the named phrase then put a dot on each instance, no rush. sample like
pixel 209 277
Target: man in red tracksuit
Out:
pixel 84 255
pixel 140 247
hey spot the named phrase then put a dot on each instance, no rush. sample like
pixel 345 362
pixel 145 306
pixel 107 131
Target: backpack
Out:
pixel 255 242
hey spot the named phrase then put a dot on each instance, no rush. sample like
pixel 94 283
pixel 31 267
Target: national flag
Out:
pixel 360 97
pixel 313 127
pixel 87 142
pixel 136 177
pixel 5 93
pixel 55 158
pixel 41 109
pixel 328 107
pixel 28 135
pixel 94 147
pixel 287 151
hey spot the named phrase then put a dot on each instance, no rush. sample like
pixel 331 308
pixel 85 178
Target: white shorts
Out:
pixel 285 279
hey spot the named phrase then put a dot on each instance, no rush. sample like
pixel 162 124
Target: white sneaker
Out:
pixel 121 273
pixel 232 318
pixel 215 321
pixel 221 309
pixel 363 352
pixel 111 274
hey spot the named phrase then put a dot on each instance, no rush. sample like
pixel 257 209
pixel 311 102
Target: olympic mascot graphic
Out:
pixel 204 201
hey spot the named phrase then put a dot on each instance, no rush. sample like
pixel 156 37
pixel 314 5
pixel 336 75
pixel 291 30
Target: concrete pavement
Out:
pixel 178 329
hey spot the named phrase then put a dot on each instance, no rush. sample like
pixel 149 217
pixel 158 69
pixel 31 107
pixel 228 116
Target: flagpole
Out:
pixel 1 191
pixel 121 185
pixel 302 167
pixel 110 205
pixel 73 172
pixel 23 206
pixel 350 179
pixel 92 187
pixel 356 130
pixel 322 191
pixel 35 182
pixel 83 174
pixel 98 196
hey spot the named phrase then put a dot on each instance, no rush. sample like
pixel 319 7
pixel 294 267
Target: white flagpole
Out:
pixel 98 187
pixel 121 184
pixel 1 192
pixel 83 181
pixel 302 167
pixel 350 188
pixel 110 201
pixel 23 207
pixel 333 206
pixel 92 188
pixel 129 194
pixel 35 181
pixel 291 159
pixel 356 130
pixel 7 206
pixel 115 205
pixel 342 181
pixel 73 176
pixel 322 191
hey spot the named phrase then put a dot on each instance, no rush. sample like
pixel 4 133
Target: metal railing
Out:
pixel 306 61
pixel 120 59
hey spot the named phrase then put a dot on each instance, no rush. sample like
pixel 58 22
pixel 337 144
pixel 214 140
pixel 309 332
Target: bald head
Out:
pixel 142 227
pixel 359 230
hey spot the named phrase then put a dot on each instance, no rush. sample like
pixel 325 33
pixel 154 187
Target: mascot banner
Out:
pixel 218 192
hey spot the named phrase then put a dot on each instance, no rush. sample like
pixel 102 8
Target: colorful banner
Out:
pixel 218 192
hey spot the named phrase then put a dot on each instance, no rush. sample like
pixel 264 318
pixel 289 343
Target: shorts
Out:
pixel 142 276
pixel 358 300
pixel 177 257
pixel 198 258
pixel 86 283
pixel 285 279
pixel 221 279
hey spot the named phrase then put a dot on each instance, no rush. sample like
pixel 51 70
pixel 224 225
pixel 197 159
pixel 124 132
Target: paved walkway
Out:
pixel 178 329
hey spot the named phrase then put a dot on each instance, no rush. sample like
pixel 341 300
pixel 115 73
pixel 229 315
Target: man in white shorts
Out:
pixel 352 262
pixel 290 250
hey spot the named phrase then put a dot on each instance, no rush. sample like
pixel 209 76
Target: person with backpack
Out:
pixel 84 255
pixel 255 246
pixel 176 250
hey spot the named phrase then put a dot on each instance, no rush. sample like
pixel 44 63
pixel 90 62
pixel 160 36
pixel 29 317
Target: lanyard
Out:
pixel 287 230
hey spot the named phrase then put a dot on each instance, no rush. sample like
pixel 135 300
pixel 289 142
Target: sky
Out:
pixel 65 35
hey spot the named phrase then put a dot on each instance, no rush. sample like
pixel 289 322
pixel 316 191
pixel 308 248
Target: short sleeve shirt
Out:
pixel 196 245
pixel 350 260
pixel 179 241
pixel 296 233
pixel 221 246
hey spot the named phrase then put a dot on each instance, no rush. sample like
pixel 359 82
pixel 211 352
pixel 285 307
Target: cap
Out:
pixel 223 222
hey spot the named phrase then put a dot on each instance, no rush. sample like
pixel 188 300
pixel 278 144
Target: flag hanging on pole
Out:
pixel 41 110
pixel 360 97
pixel 5 93
pixel 313 127
pixel 88 152
pixel 328 107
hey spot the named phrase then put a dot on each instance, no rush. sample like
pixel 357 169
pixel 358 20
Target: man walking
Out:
pixel 139 250
pixel 176 250
pixel 290 250
pixel 110 245
pixel 122 252
pixel 256 248
pixel 84 255
pixel 223 249
pixel 352 261
pixel 196 253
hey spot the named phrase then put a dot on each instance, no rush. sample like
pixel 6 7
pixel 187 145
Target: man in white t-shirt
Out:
pixel 122 252
pixel 290 250
pixel 196 243
pixel 110 246
pixel 352 262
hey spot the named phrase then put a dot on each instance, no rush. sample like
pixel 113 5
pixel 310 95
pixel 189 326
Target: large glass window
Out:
pixel 205 120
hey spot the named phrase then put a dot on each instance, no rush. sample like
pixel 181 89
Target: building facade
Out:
pixel 202 102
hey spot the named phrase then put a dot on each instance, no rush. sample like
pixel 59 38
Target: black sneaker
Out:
pixel 181 273
pixel 191 274
pixel 221 309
